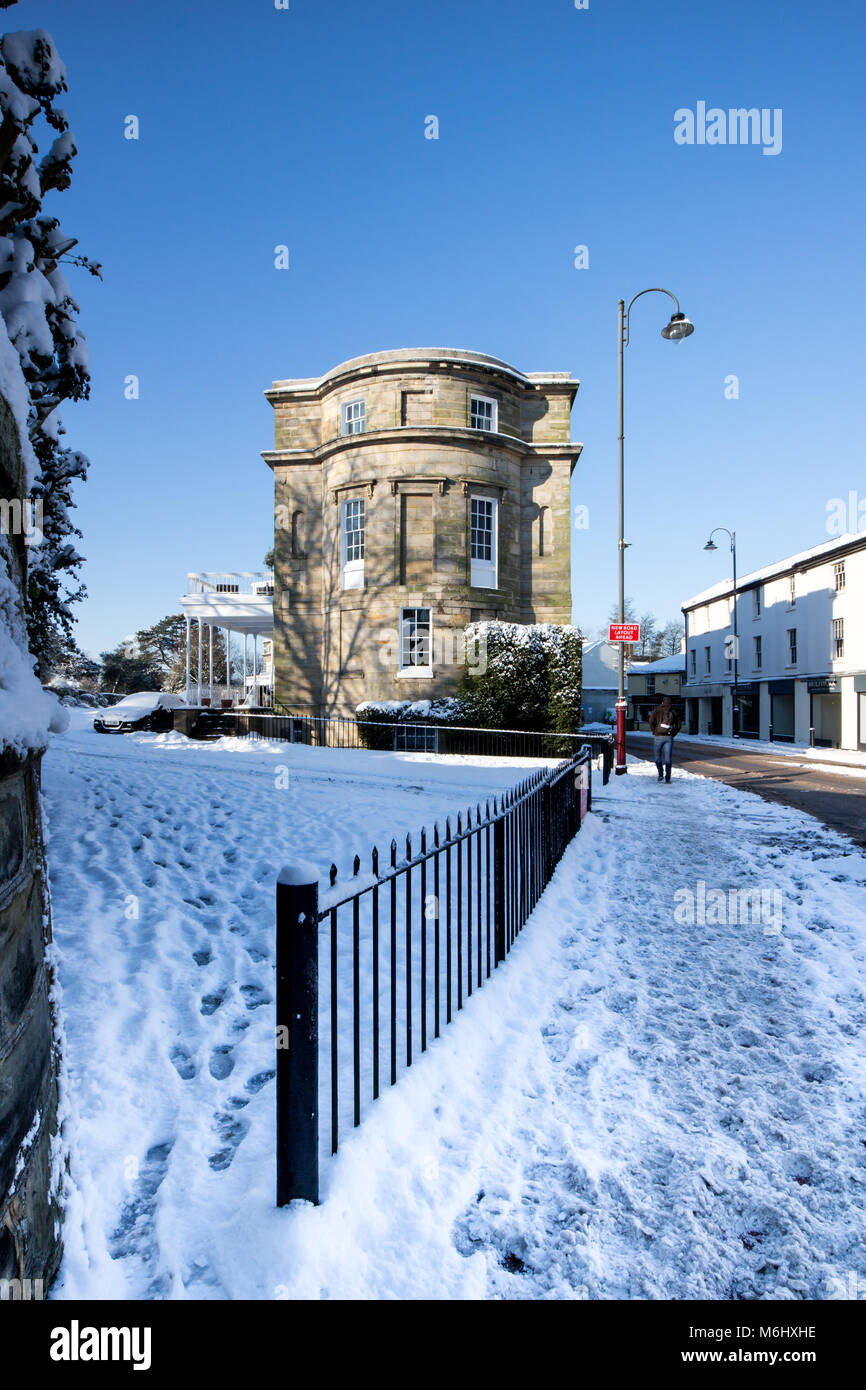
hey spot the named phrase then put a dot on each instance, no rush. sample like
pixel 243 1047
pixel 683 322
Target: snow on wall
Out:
pixel 27 713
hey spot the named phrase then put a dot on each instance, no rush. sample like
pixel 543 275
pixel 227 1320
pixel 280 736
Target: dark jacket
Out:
pixel 660 720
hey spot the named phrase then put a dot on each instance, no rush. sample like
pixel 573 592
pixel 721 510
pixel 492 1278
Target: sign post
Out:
pixel 622 632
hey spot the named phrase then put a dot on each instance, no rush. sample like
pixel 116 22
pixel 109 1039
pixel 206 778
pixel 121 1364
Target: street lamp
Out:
pixel 679 327
pixel 735 709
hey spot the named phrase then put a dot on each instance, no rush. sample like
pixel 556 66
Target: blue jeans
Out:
pixel 663 752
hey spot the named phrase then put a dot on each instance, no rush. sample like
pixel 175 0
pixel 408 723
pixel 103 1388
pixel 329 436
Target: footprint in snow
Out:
pixel 211 1002
pixel 133 1234
pixel 261 1078
pixel 222 1063
pixel 202 957
pixel 182 1063
pixel 254 996
pixel 231 1131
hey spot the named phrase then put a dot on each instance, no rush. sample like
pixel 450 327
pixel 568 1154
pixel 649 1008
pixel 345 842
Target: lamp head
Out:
pixel 679 327
pixel 711 545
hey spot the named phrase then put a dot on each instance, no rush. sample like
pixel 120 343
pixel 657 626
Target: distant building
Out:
pixel 415 491
pixel 802 650
pixel 600 679
pixel 219 607
pixel 648 681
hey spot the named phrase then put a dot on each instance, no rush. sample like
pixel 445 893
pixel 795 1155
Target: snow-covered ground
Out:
pixel 662 1094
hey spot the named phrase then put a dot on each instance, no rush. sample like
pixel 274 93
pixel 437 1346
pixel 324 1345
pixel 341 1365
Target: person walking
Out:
pixel 665 725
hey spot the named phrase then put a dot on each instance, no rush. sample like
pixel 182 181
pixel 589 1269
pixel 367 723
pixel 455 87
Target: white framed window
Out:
pixel 483 413
pixel 416 633
pixel 759 656
pixel 483 527
pixel 839 576
pixel 353 520
pixel 792 646
pixel 693 657
pixel 756 602
pixel 708 659
pixel 838 638
pixel 353 417
pixel 792 591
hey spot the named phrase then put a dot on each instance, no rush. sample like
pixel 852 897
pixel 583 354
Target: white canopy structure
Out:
pixel 239 601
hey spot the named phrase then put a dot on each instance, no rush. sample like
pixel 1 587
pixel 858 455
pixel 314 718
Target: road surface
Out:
pixel 838 798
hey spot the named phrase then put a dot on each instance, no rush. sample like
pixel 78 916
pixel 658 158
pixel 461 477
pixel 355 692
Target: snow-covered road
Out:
pixel 661 1095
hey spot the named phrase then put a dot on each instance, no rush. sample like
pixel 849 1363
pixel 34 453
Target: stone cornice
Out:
pixel 459 437
pixel 408 361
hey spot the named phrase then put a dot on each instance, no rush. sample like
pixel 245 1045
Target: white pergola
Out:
pixel 234 601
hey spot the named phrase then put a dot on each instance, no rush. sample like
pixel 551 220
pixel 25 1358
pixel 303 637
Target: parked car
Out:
pixel 147 709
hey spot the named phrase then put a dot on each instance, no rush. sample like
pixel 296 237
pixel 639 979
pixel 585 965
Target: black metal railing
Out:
pixel 334 732
pixel 405 946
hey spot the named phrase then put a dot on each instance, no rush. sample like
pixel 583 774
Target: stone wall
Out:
pixel 29 1218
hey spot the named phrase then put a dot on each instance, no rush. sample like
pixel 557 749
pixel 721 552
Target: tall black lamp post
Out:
pixel 735 709
pixel 679 327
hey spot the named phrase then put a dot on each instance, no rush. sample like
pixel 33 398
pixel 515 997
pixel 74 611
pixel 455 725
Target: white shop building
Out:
pixel 801 669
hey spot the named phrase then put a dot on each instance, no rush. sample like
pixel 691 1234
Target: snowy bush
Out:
pixel 371 715
pixel 39 317
pixel 532 678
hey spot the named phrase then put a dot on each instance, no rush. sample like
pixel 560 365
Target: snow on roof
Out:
pixel 799 561
pixel 664 663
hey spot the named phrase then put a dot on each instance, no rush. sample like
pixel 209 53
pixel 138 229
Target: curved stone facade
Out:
pixel 415 491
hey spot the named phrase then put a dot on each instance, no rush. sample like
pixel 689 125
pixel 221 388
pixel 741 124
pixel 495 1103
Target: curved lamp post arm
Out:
pixel 730 534
pixel 656 289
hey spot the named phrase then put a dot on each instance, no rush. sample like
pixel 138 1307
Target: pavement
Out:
pixel 833 795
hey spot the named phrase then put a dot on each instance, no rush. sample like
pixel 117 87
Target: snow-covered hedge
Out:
pixel 523 676
pixel 372 715
pixel 530 677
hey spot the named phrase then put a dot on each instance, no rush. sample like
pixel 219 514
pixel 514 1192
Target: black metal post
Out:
pixel 297 1036
pixel 499 890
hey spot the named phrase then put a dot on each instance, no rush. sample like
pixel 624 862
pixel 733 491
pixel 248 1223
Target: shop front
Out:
pixel 749 697
pixel 825 711
pixel 860 697
pixel 781 710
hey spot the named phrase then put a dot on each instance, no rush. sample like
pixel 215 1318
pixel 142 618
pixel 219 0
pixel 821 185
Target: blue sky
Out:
pixel 305 126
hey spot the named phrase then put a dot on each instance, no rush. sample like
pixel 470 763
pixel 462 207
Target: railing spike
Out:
pixel 436 833
pixel 375 861
pixel 393 854
pixel 333 874
pixel 409 847
pixel 468 817
pixel 423 839
pixel 356 865
pixel 459 824
pixel 447 827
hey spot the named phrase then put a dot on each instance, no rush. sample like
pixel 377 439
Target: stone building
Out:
pixel 29 1213
pixel 415 491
